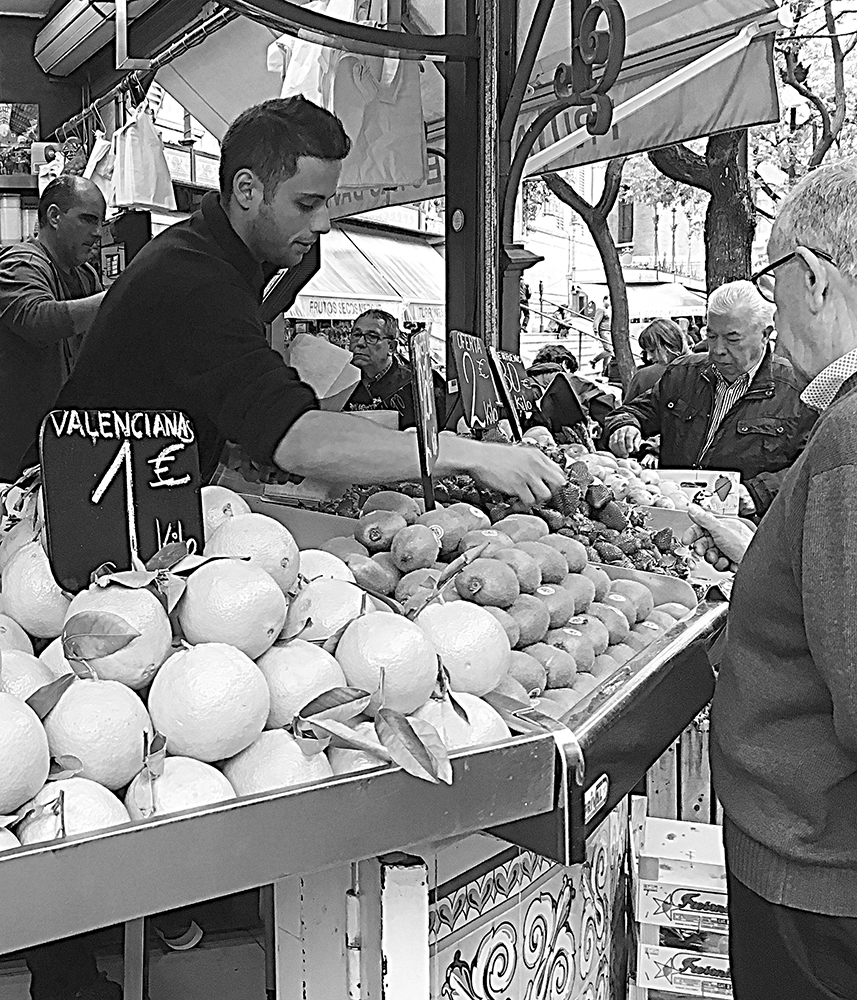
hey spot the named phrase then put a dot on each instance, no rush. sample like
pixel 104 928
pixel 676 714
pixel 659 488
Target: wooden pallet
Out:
pixel 679 784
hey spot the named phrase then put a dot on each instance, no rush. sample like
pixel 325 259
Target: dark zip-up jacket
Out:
pixel 760 437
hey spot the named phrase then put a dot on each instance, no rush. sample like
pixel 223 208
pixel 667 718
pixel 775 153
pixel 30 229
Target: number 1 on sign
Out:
pixel 123 457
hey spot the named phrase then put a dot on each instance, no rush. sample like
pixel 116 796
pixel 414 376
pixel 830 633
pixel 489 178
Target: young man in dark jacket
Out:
pixel 736 408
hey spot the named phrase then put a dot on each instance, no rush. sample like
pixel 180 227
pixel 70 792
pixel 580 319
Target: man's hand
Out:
pixel 722 541
pixel 523 472
pixel 746 503
pixel 625 441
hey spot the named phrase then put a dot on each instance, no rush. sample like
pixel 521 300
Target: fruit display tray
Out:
pixel 546 789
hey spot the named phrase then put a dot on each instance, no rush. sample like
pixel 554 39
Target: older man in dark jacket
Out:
pixel 737 408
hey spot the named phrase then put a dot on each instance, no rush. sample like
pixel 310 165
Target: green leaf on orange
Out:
pixel 93 634
pixel 339 703
pixel 430 739
pixel 45 698
pixel 396 733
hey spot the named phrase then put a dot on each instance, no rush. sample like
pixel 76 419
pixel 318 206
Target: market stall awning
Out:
pixel 677 80
pixel 651 300
pixel 412 267
pixel 365 270
pixel 691 68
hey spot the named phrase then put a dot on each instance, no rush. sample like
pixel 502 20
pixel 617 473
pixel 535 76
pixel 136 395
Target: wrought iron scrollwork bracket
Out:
pixel 597 50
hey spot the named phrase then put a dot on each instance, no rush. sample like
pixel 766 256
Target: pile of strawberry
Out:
pixel 613 532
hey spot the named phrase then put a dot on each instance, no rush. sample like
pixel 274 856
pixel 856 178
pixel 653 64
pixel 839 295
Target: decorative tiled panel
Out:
pixel 519 927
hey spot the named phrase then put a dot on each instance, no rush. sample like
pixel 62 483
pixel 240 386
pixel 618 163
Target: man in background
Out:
pixel 784 716
pixel 736 408
pixel 49 295
pixel 386 379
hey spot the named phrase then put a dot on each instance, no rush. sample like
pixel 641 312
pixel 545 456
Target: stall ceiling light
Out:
pixel 78 31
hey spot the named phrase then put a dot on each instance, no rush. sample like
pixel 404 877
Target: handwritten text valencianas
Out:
pixel 122 424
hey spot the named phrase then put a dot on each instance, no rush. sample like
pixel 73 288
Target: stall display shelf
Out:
pixel 545 790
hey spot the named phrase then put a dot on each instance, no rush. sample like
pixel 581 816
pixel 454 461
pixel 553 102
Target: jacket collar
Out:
pixel 233 247
pixel 763 380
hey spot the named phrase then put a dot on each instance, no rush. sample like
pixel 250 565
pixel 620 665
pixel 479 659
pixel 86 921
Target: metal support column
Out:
pixel 463 268
pixel 489 230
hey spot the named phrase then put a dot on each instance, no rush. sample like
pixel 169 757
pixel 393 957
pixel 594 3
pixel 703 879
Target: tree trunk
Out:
pixel 730 221
pixel 620 319
pixel 595 219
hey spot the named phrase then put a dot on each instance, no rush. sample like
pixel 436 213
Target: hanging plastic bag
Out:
pixel 141 177
pixel 379 102
pixel 99 166
pixel 307 68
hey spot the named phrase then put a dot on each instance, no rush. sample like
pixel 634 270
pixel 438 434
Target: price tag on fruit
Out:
pixel 118 485
pixel 426 412
pixel 479 396
pixel 516 387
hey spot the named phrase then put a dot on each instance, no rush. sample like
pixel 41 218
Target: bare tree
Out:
pixel 595 219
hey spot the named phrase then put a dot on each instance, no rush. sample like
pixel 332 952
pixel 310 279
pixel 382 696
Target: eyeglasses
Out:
pixel 765 280
pixel 368 338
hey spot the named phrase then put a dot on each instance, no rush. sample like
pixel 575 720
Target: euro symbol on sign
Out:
pixel 161 467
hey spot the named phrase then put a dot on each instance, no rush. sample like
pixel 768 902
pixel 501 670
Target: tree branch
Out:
pixel 683 165
pixel 805 92
pixel 612 186
pixel 566 193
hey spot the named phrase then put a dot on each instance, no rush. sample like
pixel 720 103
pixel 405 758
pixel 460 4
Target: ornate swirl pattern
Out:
pixel 596 59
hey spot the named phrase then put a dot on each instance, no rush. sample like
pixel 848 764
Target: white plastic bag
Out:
pixel 99 166
pixel 307 68
pixel 141 177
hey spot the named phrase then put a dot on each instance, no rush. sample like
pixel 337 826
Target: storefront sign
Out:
pixel 479 396
pixel 118 486
pixel 426 413
pixel 516 387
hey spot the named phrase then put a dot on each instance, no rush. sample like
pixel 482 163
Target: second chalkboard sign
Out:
pixel 479 397
pixel 118 486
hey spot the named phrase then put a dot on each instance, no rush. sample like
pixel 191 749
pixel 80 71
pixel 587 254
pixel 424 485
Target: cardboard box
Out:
pixel 690 973
pixel 716 491
pixel 682 877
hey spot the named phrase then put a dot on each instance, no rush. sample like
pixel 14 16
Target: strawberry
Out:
pixel 592 554
pixel 598 496
pixel 643 561
pixel 628 544
pixel 567 499
pixel 608 552
pixel 580 475
pixel 612 515
pixel 552 518
pixel 663 540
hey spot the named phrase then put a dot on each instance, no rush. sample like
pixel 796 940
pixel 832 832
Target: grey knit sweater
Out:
pixel 784 717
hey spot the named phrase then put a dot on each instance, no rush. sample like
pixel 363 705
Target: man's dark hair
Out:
pixel 559 355
pixel 270 138
pixel 62 192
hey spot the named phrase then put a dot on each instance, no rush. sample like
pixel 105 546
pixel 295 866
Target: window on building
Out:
pixel 625 227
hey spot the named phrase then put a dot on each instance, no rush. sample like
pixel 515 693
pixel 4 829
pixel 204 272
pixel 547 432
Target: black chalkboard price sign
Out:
pixel 118 486
pixel 516 387
pixel 479 397
pixel 426 411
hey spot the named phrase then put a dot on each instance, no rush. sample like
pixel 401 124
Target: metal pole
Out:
pixel 489 255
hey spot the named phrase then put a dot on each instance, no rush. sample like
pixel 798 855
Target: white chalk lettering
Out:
pixel 104 424
pixel 161 467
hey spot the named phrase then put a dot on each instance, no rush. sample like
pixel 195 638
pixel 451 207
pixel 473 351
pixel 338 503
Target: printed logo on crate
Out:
pixel 683 906
pixel 684 972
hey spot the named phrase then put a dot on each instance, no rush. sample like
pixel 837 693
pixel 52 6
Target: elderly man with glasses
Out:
pixel 386 381
pixel 784 716
pixel 736 408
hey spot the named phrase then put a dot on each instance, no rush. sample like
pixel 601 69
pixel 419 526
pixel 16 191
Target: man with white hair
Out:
pixel 735 408
pixel 784 716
